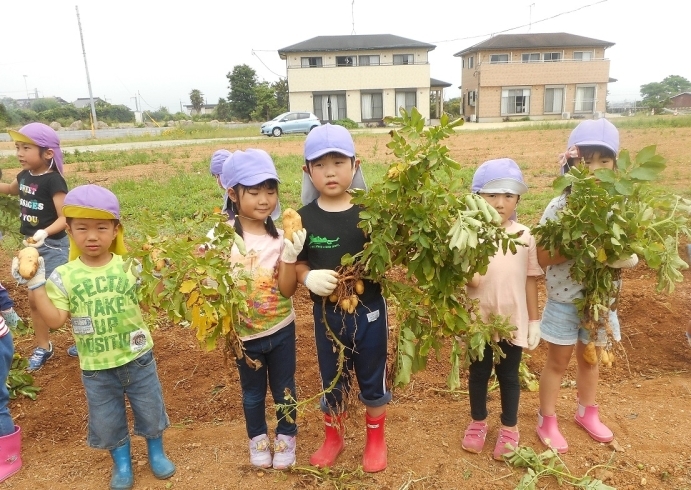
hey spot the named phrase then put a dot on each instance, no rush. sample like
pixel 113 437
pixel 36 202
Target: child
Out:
pixel 99 293
pixel 331 220
pixel 268 333
pixel 508 288
pixel 41 189
pixel 7 309
pixel 595 143
pixel 10 434
pixel 216 168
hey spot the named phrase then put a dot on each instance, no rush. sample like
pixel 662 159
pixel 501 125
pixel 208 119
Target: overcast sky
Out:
pixel 164 49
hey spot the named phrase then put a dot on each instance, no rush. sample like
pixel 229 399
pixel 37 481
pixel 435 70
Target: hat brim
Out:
pixel 324 151
pixel 77 211
pixel 503 185
pixel 20 138
pixel 596 143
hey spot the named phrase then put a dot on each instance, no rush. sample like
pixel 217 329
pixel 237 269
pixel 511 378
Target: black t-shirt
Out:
pixel 36 201
pixel 329 237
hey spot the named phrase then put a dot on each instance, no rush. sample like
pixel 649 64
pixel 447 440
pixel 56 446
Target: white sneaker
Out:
pixel 284 452
pixel 260 454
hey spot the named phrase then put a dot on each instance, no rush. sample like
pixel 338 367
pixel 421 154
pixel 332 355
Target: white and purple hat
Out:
pixel 249 168
pixel 500 176
pixel 217 159
pixel 43 136
pixel 591 132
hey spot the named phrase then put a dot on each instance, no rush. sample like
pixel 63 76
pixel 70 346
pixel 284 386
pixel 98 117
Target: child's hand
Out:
pixel 37 240
pixel 625 262
pixel 533 334
pixel 292 249
pixel 39 278
pixel 321 282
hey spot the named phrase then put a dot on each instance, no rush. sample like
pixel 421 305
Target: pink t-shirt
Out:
pixel 502 289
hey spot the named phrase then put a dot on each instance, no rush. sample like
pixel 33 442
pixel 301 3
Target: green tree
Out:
pixel 197 100
pixel 281 89
pixel 45 104
pixel 242 97
pixel 4 116
pixel 267 105
pixel 656 95
pixel 222 111
pixel 453 107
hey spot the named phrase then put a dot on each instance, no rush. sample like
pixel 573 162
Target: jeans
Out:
pixel 105 395
pixel 6 355
pixel 55 252
pixel 276 352
pixel 365 335
pixel 509 385
pixel 5 301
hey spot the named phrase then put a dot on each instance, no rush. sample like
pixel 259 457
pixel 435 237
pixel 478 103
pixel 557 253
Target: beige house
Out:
pixel 361 77
pixel 540 76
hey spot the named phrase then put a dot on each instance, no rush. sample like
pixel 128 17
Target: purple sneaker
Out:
pixel 260 454
pixel 284 452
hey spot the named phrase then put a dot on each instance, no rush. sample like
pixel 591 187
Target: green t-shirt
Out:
pixel 107 322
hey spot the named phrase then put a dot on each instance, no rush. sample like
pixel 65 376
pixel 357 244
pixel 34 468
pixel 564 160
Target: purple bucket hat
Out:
pixel 248 168
pixel 217 159
pixel 41 135
pixel 595 132
pixel 498 177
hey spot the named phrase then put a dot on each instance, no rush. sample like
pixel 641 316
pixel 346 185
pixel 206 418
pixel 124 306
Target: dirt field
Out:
pixel 645 397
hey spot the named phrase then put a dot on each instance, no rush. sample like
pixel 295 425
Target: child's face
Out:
pixel 93 237
pixel 597 161
pixel 255 202
pixel 30 157
pixel 505 204
pixel 332 174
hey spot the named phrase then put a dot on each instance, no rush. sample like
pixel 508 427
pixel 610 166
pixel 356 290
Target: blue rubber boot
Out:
pixel 122 478
pixel 161 466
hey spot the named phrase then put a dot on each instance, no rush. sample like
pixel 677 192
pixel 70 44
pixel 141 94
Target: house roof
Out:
pixel 537 41
pixel 680 93
pixel 433 82
pixel 85 101
pixel 354 42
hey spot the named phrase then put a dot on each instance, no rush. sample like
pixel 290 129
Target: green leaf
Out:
pixel 644 173
pixel 624 187
pixel 645 154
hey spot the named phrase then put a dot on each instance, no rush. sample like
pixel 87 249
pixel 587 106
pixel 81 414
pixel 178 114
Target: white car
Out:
pixel 290 122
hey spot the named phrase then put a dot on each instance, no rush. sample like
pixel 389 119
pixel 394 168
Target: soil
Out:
pixel 645 398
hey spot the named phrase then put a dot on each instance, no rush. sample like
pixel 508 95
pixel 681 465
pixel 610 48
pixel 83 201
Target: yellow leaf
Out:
pixel 187 286
pixel 194 296
pixel 602 256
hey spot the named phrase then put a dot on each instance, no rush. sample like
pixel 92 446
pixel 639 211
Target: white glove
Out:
pixel 321 282
pixel 625 263
pixel 38 238
pixel 39 278
pixel 292 249
pixel 533 334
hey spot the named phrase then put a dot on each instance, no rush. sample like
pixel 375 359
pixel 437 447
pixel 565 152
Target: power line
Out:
pixel 521 26
pixel 254 53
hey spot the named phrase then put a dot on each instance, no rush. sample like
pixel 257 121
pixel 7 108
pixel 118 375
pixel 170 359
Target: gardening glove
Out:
pixel 39 278
pixel 321 282
pixel 533 334
pixel 37 240
pixel 625 263
pixel 11 317
pixel 292 249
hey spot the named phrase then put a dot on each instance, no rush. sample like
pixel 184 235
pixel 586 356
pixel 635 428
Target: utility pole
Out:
pixel 26 85
pixel 530 17
pixel 88 80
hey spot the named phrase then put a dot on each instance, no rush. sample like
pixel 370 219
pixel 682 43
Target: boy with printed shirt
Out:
pixel 331 221
pixel 99 293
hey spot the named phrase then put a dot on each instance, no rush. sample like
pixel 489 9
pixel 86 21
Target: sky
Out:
pixel 159 51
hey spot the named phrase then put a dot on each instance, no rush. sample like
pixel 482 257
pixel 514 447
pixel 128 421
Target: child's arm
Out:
pixel 54 317
pixel 12 188
pixel 544 258
pixel 533 313
pixel 61 223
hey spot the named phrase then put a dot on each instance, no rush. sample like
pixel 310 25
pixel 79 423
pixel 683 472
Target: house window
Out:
pixel 470 62
pixel 585 99
pixel 345 60
pixel 530 57
pixel 372 106
pixel 462 62
pixel 330 107
pixel 472 97
pixel 554 99
pixel 551 56
pixel 313 62
pixel 403 59
pixel 499 58
pixel 515 101
pixel 368 60
pixel 583 55
pixel 405 100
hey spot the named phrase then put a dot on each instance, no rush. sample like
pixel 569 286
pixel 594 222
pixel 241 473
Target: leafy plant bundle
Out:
pixel 610 215
pixel 202 289
pixel 9 212
pixel 412 218
pixel 19 382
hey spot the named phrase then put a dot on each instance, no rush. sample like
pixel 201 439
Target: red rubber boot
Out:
pixel 332 446
pixel 374 457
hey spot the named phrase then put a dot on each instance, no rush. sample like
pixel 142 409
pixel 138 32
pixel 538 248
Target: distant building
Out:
pixel 680 101
pixel 206 109
pixel 26 103
pixel 86 102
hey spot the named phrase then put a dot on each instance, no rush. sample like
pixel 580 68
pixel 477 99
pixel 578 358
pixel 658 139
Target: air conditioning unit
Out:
pixel 566 115
pixel 598 115
pixel 472 118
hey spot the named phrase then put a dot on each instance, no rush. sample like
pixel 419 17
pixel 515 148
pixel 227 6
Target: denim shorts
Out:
pixel 55 252
pixel 105 394
pixel 561 325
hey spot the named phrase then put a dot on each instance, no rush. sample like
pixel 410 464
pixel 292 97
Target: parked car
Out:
pixel 290 122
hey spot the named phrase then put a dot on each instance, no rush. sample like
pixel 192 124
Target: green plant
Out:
pixel 346 123
pixel 19 382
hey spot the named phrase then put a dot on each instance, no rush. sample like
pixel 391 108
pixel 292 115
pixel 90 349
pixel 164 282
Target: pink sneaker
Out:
pixel 549 434
pixel 506 442
pixel 589 419
pixel 474 437
pixel 260 453
pixel 284 452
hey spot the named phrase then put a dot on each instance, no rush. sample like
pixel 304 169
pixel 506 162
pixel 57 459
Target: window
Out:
pixel 585 99
pixel 551 56
pixel 403 59
pixel 405 100
pixel 291 117
pixel 368 60
pixel 583 55
pixel 372 106
pixel 472 97
pixel 554 99
pixel 470 62
pixel 330 107
pixel 345 60
pixel 499 58
pixel 530 57
pixel 303 115
pixel 515 101
pixel 313 62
